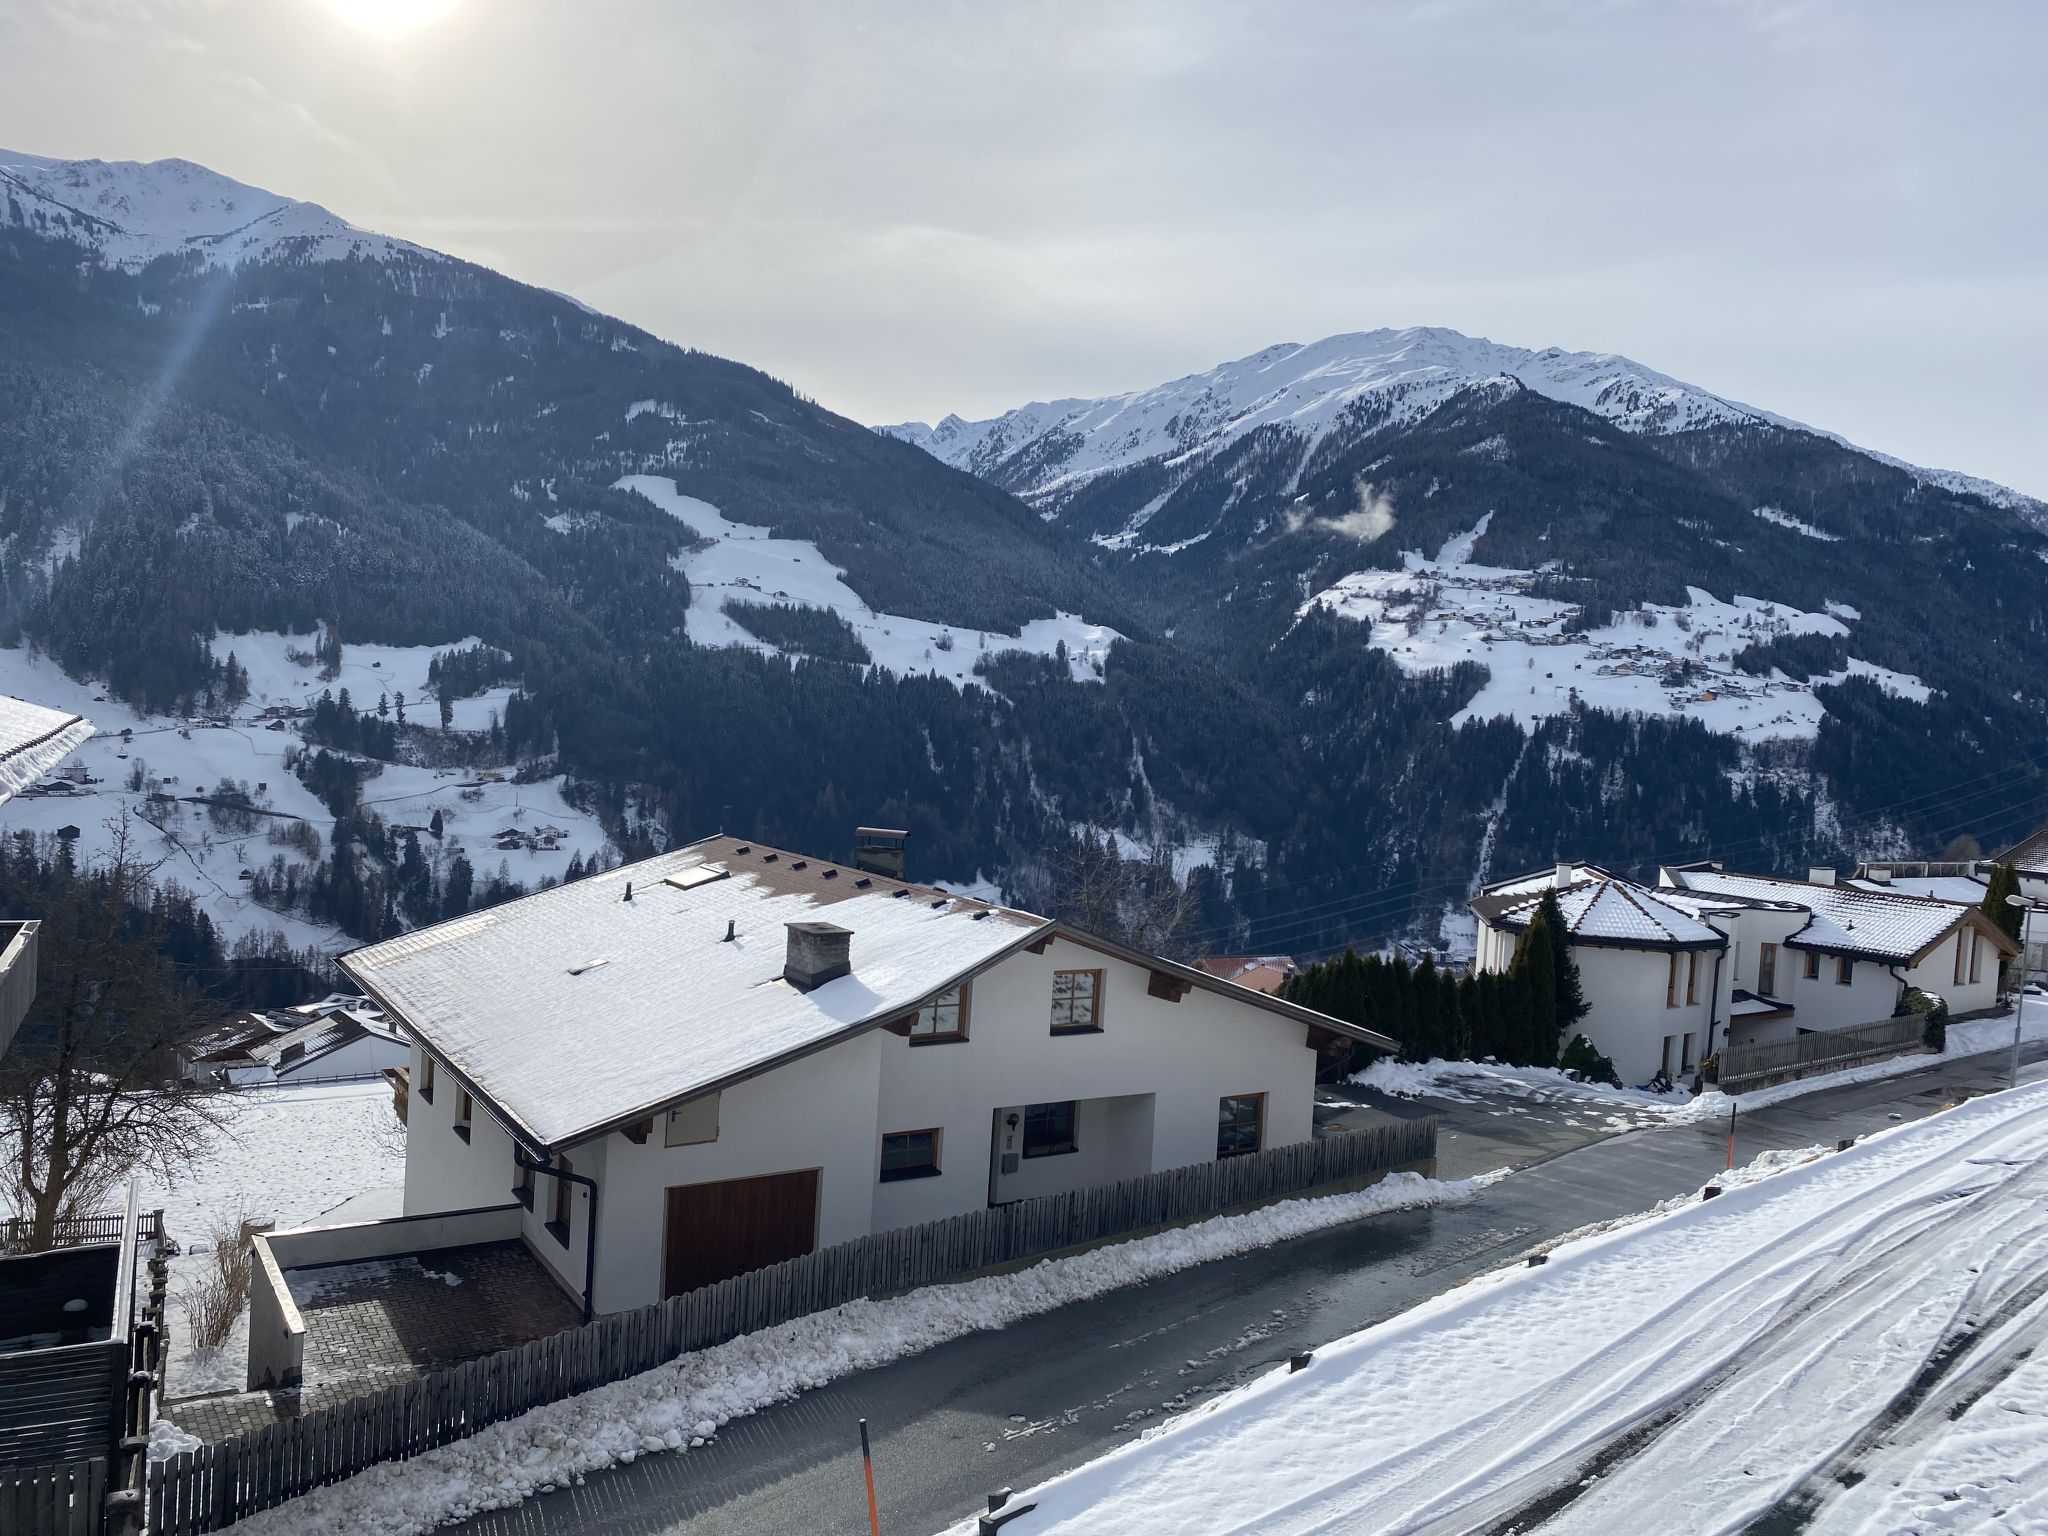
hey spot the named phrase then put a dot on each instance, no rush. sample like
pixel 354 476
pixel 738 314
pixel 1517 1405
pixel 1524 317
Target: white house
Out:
pixel 1827 956
pixel 729 1055
pixel 1653 972
pixel 33 740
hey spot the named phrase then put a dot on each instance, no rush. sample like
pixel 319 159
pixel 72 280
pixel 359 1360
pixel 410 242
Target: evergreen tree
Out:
pixel 2003 881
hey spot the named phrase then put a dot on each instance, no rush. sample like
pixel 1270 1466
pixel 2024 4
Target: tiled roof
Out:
pixel 33 740
pixel 1844 919
pixel 1600 909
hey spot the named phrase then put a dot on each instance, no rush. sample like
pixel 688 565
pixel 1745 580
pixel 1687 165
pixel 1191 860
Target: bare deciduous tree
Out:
pixel 1138 902
pixel 91 1090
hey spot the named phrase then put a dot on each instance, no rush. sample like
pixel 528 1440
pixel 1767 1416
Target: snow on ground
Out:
pixel 184 759
pixel 283 1154
pixel 684 1402
pixel 1468 1082
pixel 1688 1373
pixel 743 563
pixel 1787 520
pixel 1434 614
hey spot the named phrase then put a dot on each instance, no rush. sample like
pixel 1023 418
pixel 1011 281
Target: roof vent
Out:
pixel 770 858
pixel 880 850
pixel 732 930
pixel 828 874
pixel 818 953
pixel 801 864
pixel 1820 876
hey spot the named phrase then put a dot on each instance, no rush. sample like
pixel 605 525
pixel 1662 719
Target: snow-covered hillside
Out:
pixel 740 563
pixel 1659 660
pixel 1043 449
pixel 131 212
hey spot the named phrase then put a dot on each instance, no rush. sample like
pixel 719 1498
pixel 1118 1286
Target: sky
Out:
pixel 1832 209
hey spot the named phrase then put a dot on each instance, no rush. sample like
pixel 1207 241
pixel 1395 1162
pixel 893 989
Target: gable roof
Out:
pixel 1599 909
pixel 2030 853
pixel 576 1010
pixel 1888 926
pixel 33 740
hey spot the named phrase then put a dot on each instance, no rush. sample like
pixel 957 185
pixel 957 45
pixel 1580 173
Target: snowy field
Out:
pixel 683 1403
pixel 743 563
pixel 1435 614
pixel 185 760
pixel 1688 1373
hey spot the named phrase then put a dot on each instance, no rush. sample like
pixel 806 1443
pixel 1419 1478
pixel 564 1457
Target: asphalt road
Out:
pixel 1013 1407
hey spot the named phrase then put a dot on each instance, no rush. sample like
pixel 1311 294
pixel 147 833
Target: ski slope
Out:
pixel 739 562
pixel 1686 1374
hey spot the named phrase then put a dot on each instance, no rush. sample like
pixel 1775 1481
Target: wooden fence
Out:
pixel 63 1500
pixel 77 1231
pixel 212 1487
pixel 1749 1066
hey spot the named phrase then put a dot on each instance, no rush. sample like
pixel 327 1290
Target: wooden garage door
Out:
pixel 730 1227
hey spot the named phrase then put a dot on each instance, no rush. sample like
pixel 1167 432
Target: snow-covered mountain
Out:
pixel 129 213
pixel 1384 378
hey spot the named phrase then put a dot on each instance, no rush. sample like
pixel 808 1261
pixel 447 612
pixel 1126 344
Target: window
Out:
pixel 1076 1002
pixel 1692 977
pixel 558 1215
pixel 1845 970
pixel 1240 1124
pixel 691 1124
pixel 426 1077
pixel 1685 1053
pixel 1664 1061
pixel 943 1018
pixel 1962 938
pixel 1049 1129
pixel 522 1191
pixel 1812 965
pixel 1767 969
pixel 1671 982
pixel 464 1112
pixel 1976 957
pixel 910 1155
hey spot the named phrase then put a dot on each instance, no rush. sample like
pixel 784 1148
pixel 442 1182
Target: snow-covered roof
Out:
pixel 576 1008
pixel 1963 890
pixel 1744 1004
pixel 313 1040
pixel 33 740
pixel 1599 909
pixel 1843 919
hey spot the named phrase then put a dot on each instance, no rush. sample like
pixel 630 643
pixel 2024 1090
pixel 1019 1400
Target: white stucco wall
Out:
pixel 1627 1018
pixel 442 1171
pixel 364 1056
pixel 1936 974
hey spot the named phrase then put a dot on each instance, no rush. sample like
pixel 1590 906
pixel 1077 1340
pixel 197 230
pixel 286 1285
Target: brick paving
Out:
pixel 372 1324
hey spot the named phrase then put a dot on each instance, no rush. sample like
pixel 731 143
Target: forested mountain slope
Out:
pixel 228 416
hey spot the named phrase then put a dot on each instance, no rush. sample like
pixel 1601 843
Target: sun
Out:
pixel 391 18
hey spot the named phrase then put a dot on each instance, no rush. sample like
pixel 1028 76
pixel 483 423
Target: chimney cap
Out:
pixel 819 930
pixel 880 832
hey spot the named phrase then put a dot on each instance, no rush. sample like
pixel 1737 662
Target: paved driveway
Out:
pixel 1016 1406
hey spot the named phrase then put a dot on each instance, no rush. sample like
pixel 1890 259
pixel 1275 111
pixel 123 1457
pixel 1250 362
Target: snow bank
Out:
pixel 682 1403
pixel 1773 1323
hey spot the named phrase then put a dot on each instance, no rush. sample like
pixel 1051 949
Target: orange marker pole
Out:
pixel 867 1466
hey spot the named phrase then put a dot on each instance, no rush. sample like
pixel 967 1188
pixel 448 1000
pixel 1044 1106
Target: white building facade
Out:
pixel 848 1061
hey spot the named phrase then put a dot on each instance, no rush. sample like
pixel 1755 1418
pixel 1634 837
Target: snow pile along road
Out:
pixel 685 1401
pixel 1688 1374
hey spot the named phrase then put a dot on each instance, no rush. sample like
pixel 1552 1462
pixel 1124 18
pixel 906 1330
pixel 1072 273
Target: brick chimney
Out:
pixel 880 851
pixel 818 953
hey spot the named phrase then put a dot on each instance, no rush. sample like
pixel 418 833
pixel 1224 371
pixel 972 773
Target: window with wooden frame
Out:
pixel 1685 1053
pixel 1976 957
pixel 943 1018
pixel 1049 1129
pixel 1813 965
pixel 426 1077
pixel 1692 976
pixel 1076 1002
pixel 522 1190
pixel 910 1155
pixel 1240 1124
pixel 465 1111
pixel 1767 969
pixel 1962 941
pixel 559 1209
pixel 1671 982
pixel 1845 971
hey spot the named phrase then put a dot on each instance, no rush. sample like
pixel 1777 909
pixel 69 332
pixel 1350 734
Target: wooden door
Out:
pixel 735 1225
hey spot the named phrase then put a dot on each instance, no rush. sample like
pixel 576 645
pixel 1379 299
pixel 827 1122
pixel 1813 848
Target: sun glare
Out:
pixel 391 18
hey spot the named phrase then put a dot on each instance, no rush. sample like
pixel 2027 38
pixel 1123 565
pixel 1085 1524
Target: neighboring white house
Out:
pixel 1815 955
pixel 33 740
pixel 729 1055
pixel 1651 971
pixel 342 1037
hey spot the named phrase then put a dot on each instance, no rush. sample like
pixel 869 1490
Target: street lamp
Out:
pixel 2019 1007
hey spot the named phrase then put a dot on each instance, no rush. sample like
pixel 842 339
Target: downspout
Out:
pixel 589 1227
pixel 1714 1004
